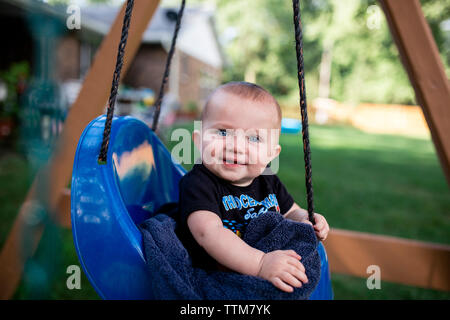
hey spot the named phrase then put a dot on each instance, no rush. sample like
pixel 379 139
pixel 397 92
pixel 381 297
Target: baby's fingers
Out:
pixel 322 235
pixel 290 279
pixel 297 264
pixel 322 232
pixel 321 222
pixel 293 254
pixel 277 282
pixel 300 275
pixel 318 226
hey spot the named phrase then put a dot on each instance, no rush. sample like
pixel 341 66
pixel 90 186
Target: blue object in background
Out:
pixel 108 201
pixel 289 125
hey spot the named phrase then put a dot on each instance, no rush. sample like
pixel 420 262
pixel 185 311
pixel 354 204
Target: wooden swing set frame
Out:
pixel 402 261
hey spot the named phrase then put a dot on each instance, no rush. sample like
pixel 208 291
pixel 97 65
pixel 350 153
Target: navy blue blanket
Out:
pixel 174 277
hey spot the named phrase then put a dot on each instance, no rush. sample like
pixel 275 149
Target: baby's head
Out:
pixel 240 130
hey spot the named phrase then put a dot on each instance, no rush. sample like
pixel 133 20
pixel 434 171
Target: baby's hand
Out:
pixel 321 227
pixel 283 269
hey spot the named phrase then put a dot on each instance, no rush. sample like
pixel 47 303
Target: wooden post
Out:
pixel 420 57
pixel 55 176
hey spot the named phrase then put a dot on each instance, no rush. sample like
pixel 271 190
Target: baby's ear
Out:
pixel 275 151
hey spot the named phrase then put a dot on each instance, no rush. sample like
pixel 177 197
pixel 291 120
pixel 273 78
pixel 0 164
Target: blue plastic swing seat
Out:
pixel 108 202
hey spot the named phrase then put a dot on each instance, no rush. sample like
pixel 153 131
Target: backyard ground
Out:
pixel 382 184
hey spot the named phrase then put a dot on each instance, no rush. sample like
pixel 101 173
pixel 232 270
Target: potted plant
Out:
pixel 12 85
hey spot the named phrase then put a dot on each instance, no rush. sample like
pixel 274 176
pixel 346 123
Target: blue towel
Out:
pixel 174 277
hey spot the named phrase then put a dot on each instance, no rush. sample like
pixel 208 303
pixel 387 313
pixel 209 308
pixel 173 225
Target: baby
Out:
pixel 240 131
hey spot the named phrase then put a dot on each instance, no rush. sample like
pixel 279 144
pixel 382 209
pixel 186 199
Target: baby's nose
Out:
pixel 236 143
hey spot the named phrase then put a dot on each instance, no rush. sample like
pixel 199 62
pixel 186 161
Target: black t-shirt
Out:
pixel 200 189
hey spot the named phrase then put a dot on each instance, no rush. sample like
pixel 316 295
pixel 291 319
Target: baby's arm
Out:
pixel 222 244
pixel 281 267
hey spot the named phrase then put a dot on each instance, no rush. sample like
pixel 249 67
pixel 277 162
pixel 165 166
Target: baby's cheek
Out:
pixel 211 150
pixel 252 157
pixel 259 155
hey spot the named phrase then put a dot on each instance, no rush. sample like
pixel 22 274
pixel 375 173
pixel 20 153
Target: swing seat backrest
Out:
pixel 109 200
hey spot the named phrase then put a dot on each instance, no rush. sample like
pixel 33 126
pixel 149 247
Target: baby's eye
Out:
pixel 254 138
pixel 222 132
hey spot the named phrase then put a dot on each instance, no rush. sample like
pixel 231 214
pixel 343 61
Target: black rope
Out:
pixel 305 133
pixel 115 82
pixel 167 68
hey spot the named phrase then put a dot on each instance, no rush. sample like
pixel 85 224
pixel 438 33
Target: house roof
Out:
pixel 197 36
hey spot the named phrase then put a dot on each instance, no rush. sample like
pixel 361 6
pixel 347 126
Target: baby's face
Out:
pixel 239 137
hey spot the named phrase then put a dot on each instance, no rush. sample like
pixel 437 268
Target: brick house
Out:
pixel 196 66
pixel 197 63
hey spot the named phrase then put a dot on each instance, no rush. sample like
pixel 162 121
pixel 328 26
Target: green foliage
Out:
pixel 14 78
pixel 436 13
pixel 366 65
pixel 192 106
pixel 258 40
pixel 365 62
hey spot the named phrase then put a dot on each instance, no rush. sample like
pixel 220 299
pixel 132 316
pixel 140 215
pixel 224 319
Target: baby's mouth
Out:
pixel 232 161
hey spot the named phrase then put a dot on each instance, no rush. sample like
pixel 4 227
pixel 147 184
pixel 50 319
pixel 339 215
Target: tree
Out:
pixel 363 61
pixel 263 48
pixel 349 53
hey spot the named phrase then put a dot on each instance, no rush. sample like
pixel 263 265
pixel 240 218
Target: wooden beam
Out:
pixel 420 57
pixel 402 261
pixel 55 176
pixel 63 217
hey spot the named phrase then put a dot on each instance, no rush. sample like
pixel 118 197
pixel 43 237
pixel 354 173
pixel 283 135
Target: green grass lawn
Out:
pixel 383 184
pixel 376 183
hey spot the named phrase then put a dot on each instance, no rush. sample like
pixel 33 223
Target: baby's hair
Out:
pixel 245 90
